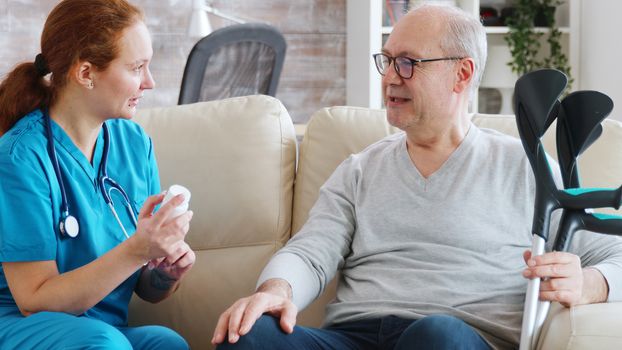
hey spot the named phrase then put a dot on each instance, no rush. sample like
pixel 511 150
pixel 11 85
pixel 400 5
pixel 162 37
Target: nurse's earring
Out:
pixel 90 85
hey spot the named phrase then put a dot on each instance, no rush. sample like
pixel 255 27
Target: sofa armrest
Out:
pixel 594 326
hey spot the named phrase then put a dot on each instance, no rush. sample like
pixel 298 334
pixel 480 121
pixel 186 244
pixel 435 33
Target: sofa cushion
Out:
pixel 594 326
pixel 238 158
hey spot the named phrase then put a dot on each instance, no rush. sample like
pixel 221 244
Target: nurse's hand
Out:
pixel 175 266
pixel 159 282
pixel 158 235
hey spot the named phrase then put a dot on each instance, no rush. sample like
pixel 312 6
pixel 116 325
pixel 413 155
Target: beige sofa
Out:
pixel 239 158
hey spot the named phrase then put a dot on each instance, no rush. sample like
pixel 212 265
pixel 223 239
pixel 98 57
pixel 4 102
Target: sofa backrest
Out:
pixel 238 158
pixel 599 166
pixel 334 133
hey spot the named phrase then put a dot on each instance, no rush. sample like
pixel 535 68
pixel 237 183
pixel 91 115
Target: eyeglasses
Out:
pixel 404 66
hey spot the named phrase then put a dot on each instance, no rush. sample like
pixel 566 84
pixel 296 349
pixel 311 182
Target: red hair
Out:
pixel 75 31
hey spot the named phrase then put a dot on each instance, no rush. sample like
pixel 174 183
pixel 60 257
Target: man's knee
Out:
pixel 438 331
pixel 439 324
pixel 261 335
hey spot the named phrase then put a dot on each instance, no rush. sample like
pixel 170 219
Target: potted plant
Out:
pixel 525 42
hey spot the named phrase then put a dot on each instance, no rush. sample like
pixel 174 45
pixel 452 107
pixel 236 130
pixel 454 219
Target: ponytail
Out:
pixel 23 90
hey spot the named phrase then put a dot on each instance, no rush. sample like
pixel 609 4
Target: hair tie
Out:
pixel 41 65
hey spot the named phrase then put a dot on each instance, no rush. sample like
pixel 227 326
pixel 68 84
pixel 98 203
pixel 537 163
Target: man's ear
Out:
pixel 84 73
pixel 464 75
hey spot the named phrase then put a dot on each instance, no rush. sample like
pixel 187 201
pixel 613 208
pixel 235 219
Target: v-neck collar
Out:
pixel 61 138
pixel 448 165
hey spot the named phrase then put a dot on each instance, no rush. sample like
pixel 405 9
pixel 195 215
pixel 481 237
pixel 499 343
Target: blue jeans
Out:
pixel 390 333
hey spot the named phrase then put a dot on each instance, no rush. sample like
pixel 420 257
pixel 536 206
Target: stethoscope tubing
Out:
pixel 64 206
pixel 103 180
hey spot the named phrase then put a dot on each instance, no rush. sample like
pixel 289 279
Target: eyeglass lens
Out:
pixel 403 66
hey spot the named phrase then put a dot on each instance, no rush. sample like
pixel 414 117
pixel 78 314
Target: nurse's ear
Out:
pixel 84 74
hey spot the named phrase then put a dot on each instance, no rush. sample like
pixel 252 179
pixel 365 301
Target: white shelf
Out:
pixel 496 30
pixel 505 30
pixel 365 32
pixel 364 38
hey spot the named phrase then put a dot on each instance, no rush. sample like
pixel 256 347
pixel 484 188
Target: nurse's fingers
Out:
pixel 181 266
pixel 153 263
pixel 150 203
pixel 184 261
pixel 181 224
pixel 165 211
pixel 179 251
pixel 187 260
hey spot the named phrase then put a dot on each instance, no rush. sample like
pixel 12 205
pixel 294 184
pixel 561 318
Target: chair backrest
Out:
pixel 237 60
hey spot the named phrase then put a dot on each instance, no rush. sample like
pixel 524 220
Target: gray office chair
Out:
pixel 237 60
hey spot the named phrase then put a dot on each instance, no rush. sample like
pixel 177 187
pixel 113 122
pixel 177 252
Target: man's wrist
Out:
pixel 595 286
pixel 161 281
pixel 276 286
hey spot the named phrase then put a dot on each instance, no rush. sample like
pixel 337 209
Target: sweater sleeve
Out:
pixel 312 257
pixel 600 251
pixel 293 269
pixel 603 252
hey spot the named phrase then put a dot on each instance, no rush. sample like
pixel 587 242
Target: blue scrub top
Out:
pixel 30 201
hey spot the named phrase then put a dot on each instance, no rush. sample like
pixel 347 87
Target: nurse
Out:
pixel 70 288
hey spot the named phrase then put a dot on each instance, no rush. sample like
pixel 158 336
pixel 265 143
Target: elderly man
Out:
pixel 429 228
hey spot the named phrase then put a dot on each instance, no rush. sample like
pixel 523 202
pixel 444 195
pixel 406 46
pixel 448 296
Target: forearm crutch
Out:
pixel 536 107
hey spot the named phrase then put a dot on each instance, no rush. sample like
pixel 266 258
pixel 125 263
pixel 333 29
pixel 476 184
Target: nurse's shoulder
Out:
pixel 26 136
pixel 132 134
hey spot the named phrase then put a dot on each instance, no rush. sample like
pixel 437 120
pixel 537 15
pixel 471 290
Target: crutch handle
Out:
pixel 583 198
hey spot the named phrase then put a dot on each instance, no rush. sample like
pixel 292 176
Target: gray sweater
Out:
pixel 411 246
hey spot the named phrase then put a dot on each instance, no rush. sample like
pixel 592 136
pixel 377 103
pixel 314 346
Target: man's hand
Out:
pixel 564 280
pixel 272 297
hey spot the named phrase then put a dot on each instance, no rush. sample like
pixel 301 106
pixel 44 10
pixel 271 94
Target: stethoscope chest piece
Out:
pixel 69 226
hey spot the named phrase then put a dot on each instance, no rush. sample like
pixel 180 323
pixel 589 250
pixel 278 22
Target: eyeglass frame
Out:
pixel 413 63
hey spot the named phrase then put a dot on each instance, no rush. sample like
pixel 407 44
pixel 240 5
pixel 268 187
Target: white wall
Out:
pixel 601 51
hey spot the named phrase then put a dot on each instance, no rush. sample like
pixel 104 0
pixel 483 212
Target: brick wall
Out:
pixel 313 74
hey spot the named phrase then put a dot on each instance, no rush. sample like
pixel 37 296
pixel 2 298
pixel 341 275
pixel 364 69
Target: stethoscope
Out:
pixel 68 225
